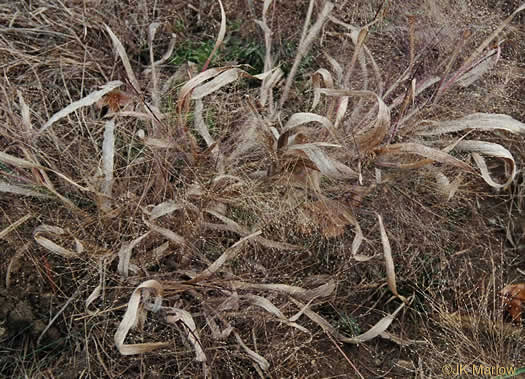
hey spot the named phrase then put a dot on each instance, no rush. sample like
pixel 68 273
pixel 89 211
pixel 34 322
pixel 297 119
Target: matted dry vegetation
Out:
pixel 352 210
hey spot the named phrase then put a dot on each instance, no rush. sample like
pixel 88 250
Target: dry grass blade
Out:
pixel 91 298
pixel 175 315
pixel 90 99
pixel 169 234
pixel 229 254
pixel 14 225
pixel 130 319
pixel 367 139
pixel 200 124
pixel 220 37
pixel 232 226
pixel 165 208
pixel 303 117
pixel 381 326
pixel 325 164
pixel 125 60
pixel 155 94
pixel 478 52
pixel 328 82
pixel 18 190
pixel 493 150
pixel 389 261
pixel 261 361
pixel 321 291
pixel 265 91
pixel 447 189
pixel 50 245
pixel 475 121
pixel 480 67
pixel 269 307
pixel 425 151
pixel 224 78
pixel 304 47
pixel 26 113
pixel 17 162
pixel 372 333
pixel 108 156
pixel 157 143
pixel 124 254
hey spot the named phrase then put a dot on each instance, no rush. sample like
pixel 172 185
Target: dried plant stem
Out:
pixel 304 47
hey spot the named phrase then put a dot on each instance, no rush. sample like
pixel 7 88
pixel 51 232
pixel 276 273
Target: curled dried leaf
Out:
pixel 260 360
pixel 174 315
pixel 124 254
pixel 130 320
pixel 50 245
pixel 90 99
pixel 493 150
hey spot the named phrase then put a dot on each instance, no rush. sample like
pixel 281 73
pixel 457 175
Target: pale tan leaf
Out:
pixel 174 315
pixel 475 121
pixel 216 83
pixel 224 78
pixel 95 294
pixel 17 162
pixel 165 208
pixel 338 69
pixel 197 80
pixel 19 190
pixel 389 261
pixel 447 189
pixel 200 124
pixel 304 47
pixel 169 234
pixel 341 108
pixel 124 57
pixel 155 94
pixel 231 225
pixel 325 164
pixel 326 77
pixel 220 36
pixel 321 291
pixel 263 363
pixel 26 113
pixel 483 65
pixel 269 307
pixel 381 326
pixel 373 135
pixel 302 118
pixel 158 143
pixel 90 99
pixel 229 254
pixel 124 254
pixel 108 156
pixel 130 319
pixel 492 150
pixel 50 245
pixel 425 151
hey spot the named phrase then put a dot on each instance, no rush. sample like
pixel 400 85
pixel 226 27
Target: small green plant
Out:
pixel 348 325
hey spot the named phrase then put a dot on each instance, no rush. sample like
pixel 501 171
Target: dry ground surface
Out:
pixel 65 280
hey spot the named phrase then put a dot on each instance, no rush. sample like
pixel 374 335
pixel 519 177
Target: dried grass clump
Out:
pixel 166 185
